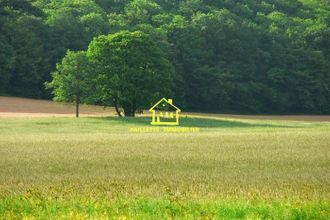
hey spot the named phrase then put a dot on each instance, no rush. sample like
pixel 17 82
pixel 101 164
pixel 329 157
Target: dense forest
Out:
pixel 228 56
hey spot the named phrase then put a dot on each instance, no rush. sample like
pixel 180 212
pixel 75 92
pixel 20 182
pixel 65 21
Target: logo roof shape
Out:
pixel 169 102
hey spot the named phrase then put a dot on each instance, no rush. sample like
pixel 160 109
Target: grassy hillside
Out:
pixel 99 167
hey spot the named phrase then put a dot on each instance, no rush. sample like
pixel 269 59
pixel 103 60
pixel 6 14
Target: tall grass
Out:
pixel 96 167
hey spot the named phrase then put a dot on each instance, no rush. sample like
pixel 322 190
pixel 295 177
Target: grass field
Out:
pixel 98 168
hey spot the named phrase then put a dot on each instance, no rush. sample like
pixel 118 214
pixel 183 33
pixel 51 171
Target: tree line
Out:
pixel 255 56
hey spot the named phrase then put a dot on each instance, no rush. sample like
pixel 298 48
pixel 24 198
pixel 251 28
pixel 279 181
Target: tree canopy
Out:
pixel 225 56
pixel 72 80
pixel 132 70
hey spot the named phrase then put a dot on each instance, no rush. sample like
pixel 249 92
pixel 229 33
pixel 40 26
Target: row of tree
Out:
pixel 261 56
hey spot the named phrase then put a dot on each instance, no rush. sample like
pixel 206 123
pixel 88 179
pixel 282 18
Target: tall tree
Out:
pixel 72 79
pixel 132 70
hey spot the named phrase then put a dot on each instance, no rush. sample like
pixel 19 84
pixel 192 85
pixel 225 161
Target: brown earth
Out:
pixel 23 107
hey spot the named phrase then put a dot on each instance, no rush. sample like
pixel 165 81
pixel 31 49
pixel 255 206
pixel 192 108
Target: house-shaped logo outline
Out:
pixel 156 120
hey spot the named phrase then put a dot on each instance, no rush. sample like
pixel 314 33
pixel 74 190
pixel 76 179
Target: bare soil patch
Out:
pixel 23 107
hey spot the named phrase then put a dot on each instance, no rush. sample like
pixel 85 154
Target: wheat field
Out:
pixel 116 168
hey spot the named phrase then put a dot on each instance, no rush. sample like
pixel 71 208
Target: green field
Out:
pixel 98 168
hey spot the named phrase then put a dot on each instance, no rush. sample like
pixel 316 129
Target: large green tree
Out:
pixel 132 70
pixel 72 79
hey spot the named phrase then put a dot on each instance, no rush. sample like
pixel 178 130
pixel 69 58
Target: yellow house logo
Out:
pixel 165 113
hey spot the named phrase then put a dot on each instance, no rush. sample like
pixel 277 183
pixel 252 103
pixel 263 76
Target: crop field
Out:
pixel 113 168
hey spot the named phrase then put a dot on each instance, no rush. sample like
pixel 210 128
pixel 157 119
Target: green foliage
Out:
pixel 76 22
pixel 24 64
pixel 36 206
pixel 229 56
pixel 141 11
pixel 72 79
pixel 133 70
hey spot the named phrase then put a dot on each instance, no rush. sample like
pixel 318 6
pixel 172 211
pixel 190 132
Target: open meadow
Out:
pixel 107 167
pixel 165 109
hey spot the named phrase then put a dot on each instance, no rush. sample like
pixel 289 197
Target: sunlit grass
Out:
pixel 97 167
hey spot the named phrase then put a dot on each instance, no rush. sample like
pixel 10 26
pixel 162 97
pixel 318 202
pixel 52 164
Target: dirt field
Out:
pixel 23 107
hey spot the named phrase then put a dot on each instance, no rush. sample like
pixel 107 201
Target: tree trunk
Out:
pixel 77 106
pixel 117 109
pixel 127 111
pixel 133 110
